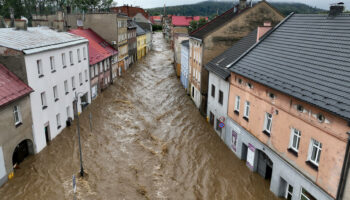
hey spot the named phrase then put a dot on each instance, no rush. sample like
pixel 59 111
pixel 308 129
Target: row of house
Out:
pixel 276 91
pixel 49 76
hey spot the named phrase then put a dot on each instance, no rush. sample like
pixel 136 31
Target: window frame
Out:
pixel 294 133
pixel 78 54
pixel 73 82
pixel 268 117
pixel 237 104
pixel 80 78
pixel 71 59
pixel 213 90
pixel 246 110
pixel 64 60
pixel 43 100
pixel 58 121
pixel 55 93
pixel 17 115
pixel 39 64
pixel 52 64
pixel 221 97
pixel 318 148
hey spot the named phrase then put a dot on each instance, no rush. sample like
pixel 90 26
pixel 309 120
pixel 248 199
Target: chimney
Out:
pixel 20 24
pixel 336 9
pixel 242 4
pixel 262 30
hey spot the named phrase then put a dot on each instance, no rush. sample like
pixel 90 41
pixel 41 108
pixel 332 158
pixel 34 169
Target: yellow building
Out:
pixel 141 42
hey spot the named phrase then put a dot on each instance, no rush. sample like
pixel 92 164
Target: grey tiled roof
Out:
pixel 35 37
pixel 219 64
pixel 147 27
pixel 307 57
pixel 139 30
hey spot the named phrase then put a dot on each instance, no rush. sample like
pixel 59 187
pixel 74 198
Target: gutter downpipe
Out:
pixel 344 171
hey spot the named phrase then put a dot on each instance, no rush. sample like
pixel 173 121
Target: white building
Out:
pixel 56 66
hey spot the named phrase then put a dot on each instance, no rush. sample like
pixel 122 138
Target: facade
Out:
pixel 219 76
pixel 147 27
pixel 132 41
pixel 156 20
pixel 219 34
pixel 141 42
pixel 178 38
pixel 123 57
pixel 101 55
pixel 56 67
pixel 184 63
pixel 296 131
pixel 16 139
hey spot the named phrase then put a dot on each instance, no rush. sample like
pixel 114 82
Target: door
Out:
pixel 47 134
pixel 211 119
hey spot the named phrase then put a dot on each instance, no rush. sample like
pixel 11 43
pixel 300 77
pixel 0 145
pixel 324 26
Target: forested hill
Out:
pixel 211 8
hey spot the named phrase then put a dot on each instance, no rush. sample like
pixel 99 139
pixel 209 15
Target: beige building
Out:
pixel 16 138
pixel 219 34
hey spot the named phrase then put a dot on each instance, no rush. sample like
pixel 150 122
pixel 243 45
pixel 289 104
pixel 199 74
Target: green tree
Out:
pixel 194 25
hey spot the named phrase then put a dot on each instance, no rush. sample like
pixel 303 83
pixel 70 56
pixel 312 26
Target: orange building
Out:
pixel 289 105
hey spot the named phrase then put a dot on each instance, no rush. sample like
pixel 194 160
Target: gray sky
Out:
pixel 160 3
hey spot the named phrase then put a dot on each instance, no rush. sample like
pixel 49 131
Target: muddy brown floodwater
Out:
pixel 148 142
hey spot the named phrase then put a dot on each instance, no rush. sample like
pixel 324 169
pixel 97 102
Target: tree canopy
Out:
pixel 194 25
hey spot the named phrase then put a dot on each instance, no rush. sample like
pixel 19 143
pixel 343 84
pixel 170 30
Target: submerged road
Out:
pixel 148 142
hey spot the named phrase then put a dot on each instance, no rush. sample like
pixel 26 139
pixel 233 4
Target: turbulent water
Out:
pixel 148 142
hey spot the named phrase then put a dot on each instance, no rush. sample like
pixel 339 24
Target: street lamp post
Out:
pixel 78 128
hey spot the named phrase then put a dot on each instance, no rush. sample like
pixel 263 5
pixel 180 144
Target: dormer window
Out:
pixel 250 85
pixel 320 118
pixel 271 95
pixel 240 81
pixel 300 108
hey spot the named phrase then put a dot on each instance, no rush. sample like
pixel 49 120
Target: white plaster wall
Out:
pixel 2 164
pixel 197 96
pixel 213 102
pixel 46 84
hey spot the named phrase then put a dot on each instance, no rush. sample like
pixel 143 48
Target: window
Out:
pixel 294 139
pixel 267 123
pixel 71 58
pixel 289 192
pixel 305 195
pixel 192 92
pixel 80 78
pixel 246 110
pixel 320 118
pixel 40 68
pixel 213 91
pixel 66 87
pixel 86 76
pixel 315 152
pixel 64 62
pixel 84 53
pixel 17 115
pixel 211 118
pixel 238 99
pixel 78 53
pixel 73 83
pixel 96 69
pixel 92 72
pixel 52 64
pixel 58 120
pixel 221 97
pixel 43 100
pixel 55 93
pixel 101 67
pixel 250 85
pixel 300 108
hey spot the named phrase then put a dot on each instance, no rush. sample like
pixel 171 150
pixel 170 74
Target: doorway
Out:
pixel 22 151
pixel 47 134
pixel 265 166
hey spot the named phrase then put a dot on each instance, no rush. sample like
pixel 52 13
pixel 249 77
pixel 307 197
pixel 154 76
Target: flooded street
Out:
pixel 148 142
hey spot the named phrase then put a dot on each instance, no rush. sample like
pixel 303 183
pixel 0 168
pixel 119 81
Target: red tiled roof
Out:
pixel 11 87
pixel 184 20
pixel 99 49
pixel 155 18
pixel 130 11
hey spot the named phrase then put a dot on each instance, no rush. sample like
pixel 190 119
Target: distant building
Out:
pixel 101 56
pixel 219 34
pixel 123 57
pixel 156 20
pixel 130 11
pixel 147 27
pixel 290 106
pixel 141 42
pixel 16 138
pixel 184 63
pixel 132 41
pixel 55 65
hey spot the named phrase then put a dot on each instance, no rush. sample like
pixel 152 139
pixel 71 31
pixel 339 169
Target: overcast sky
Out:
pixel 160 3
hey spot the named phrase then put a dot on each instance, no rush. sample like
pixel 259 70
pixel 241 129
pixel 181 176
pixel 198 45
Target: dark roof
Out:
pixel 145 26
pixel 219 64
pixel 307 57
pixel 131 24
pixel 217 22
pixel 186 43
pixel 139 30
pixel 11 87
